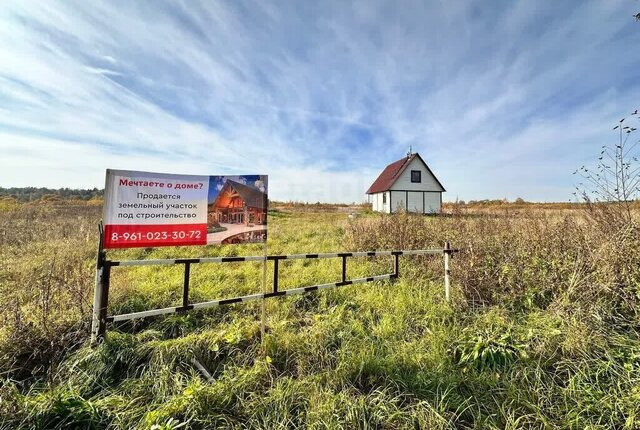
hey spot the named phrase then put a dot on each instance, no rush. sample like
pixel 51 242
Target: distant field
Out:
pixel 541 332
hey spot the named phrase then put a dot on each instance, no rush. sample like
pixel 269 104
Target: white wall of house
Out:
pixel 378 202
pixel 398 199
pixel 432 202
pixel 419 201
pixel 415 201
pixel 424 202
pixel 428 182
pixel 373 198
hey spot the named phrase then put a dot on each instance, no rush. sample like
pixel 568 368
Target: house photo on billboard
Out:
pixel 237 209
pixel 406 185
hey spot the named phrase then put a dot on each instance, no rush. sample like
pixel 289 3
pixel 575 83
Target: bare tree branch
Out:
pixel 616 176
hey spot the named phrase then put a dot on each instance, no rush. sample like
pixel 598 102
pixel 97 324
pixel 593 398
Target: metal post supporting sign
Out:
pixel 263 305
pixel 99 286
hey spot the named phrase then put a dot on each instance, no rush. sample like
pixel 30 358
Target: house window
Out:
pixel 416 176
pixel 384 198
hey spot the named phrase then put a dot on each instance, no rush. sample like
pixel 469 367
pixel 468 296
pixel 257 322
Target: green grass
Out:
pixel 541 331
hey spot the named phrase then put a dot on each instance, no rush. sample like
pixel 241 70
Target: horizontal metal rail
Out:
pixel 104 270
pixel 271 257
pixel 244 299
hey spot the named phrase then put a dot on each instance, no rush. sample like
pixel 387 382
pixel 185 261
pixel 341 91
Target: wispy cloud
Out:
pixel 502 99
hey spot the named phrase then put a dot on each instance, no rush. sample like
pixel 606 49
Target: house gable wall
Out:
pixel 428 181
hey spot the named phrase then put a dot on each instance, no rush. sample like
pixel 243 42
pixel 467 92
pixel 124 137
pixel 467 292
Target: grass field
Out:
pixel 541 331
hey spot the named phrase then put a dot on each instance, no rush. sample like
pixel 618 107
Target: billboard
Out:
pixel 145 209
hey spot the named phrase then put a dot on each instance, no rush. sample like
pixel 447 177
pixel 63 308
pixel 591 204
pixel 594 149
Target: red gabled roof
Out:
pixel 393 171
pixel 389 175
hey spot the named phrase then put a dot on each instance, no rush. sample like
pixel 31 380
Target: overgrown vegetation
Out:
pixel 542 331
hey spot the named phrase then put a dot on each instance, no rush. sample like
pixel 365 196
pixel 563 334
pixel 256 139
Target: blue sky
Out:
pixel 501 98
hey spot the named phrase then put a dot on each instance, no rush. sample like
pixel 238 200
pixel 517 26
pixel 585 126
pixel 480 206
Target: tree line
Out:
pixel 27 194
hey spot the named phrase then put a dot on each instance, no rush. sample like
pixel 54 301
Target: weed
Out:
pixel 541 331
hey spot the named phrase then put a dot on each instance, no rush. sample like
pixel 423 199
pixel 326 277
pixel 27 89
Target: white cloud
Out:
pixel 320 96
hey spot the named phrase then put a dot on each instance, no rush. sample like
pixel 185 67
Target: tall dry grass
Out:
pixel 542 330
pixel 46 281
pixel 584 261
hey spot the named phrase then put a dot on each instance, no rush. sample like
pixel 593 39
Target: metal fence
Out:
pixel 104 266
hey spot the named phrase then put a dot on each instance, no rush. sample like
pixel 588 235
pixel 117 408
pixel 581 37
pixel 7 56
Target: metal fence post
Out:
pixel 99 286
pixel 344 268
pixel 263 304
pixel 275 275
pixel 447 256
pixel 185 286
pixel 104 301
pixel 396 265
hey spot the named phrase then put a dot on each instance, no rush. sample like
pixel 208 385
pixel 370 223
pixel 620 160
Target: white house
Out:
pixel 406 185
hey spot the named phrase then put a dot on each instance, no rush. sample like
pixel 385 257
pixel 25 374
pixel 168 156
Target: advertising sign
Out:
pixel 144 209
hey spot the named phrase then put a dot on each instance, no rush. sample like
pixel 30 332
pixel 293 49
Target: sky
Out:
pixel 502 99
